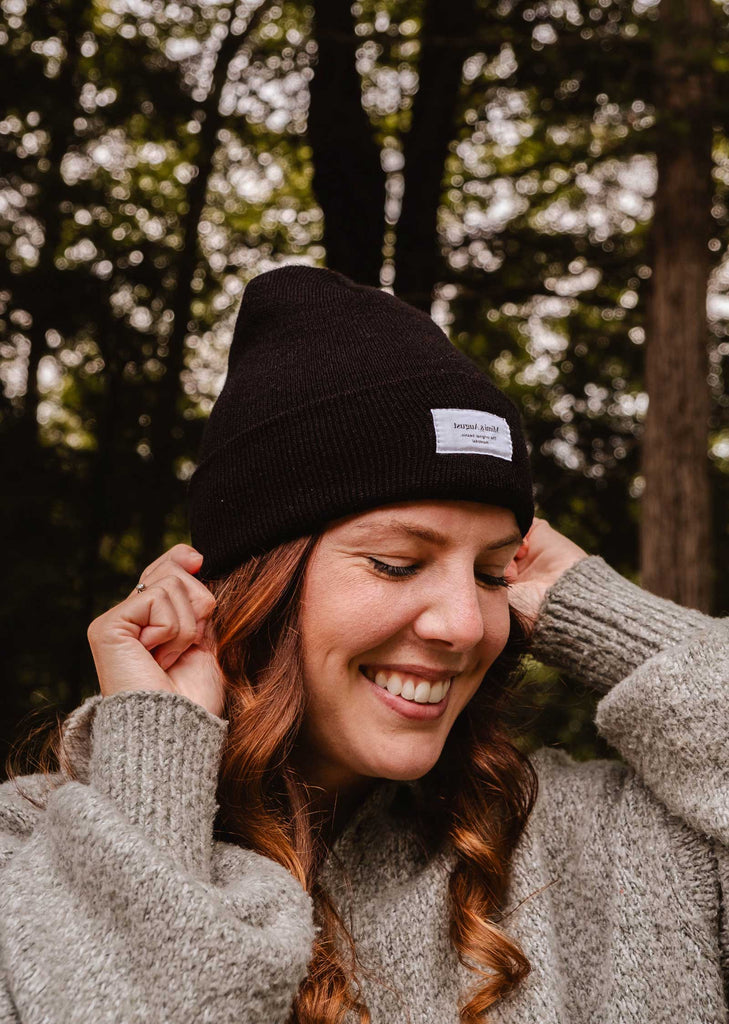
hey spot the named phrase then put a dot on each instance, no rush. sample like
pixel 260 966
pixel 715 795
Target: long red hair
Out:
pixel 478 796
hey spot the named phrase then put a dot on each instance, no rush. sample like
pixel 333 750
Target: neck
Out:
pixel 334 805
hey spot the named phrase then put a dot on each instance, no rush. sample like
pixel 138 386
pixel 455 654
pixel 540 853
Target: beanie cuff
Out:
pixel 288 476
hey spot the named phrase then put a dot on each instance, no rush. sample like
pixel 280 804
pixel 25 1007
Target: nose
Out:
pixel 452 613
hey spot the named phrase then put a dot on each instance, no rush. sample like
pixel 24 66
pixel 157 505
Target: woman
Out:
pixel 294 798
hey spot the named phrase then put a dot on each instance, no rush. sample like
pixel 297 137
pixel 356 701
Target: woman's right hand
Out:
pixel 158 639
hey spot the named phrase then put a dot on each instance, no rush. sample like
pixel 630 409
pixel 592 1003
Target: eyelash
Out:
pixel 409 570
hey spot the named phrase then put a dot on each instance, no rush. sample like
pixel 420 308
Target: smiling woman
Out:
pixel 400 623
pixel 295 800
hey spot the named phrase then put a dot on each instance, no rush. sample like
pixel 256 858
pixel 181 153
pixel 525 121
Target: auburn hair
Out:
pixel 478 796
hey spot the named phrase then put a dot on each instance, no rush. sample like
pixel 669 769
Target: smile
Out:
pixel 409 687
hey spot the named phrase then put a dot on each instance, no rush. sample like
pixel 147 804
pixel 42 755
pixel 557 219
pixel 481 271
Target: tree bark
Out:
pixel 447 37
pixel 676 511
pixel 349 182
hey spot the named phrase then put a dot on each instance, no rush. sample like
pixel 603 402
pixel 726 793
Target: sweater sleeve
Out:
pixel 597 626
pixel 117 904
pixel 665 673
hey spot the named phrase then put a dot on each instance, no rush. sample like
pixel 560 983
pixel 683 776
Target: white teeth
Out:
pixel 436 693
pixel 418 690
pixel 394 684
pixel 422 693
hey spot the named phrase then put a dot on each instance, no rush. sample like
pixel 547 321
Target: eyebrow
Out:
pixel 425 533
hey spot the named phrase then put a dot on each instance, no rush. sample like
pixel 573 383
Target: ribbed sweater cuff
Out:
pixel 598 627
pixel 156 755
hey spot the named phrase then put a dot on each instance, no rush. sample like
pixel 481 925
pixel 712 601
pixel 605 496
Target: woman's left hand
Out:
pixel 542 558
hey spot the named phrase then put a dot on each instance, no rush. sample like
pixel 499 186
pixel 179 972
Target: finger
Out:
pixel 189 627
pixel 535 526
pixel 158 609
pixel 181 554
pixel 511 573
pixel 167 654
pixel 523 549
pixel 201 598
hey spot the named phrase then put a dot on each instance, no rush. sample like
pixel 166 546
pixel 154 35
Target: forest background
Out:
pixel 548 178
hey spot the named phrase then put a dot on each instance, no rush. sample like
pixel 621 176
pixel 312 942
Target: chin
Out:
pixel 407 776
pixel 406 768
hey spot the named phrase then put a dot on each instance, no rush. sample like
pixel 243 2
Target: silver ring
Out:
pixel 141 587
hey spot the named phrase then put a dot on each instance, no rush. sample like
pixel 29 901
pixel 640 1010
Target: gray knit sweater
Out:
pixel 118 906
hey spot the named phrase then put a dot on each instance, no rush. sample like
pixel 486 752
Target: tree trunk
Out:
pixel 676 513
pixel 448 35
pixel 349 182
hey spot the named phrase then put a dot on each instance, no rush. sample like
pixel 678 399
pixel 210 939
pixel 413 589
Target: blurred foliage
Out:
pixel 547 708
pixel 155 157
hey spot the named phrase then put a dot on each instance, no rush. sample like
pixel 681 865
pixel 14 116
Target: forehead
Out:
pixel 437 522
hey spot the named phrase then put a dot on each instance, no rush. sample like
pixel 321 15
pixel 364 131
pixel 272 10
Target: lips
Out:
pixel 409 687
pixel 415 672
pixel 425 705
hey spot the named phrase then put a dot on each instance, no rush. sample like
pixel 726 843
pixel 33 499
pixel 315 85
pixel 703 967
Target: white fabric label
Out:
pixel 470 430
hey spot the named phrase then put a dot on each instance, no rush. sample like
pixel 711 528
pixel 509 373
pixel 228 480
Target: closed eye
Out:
pixel 393 570
pixel 400 571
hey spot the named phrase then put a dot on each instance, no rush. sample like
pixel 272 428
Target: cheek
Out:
pixel 497 627
pixel 344 612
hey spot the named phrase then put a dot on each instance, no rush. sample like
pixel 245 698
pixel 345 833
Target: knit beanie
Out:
pixel 340 398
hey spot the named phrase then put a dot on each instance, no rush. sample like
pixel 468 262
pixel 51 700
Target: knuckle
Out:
pixel 99 631
pixel 188 634
pixel 98 625
pixel 183 549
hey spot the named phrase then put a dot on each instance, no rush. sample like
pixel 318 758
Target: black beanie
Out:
pixel 340 398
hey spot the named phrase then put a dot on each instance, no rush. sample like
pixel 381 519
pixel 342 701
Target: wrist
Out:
pixel 156 757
